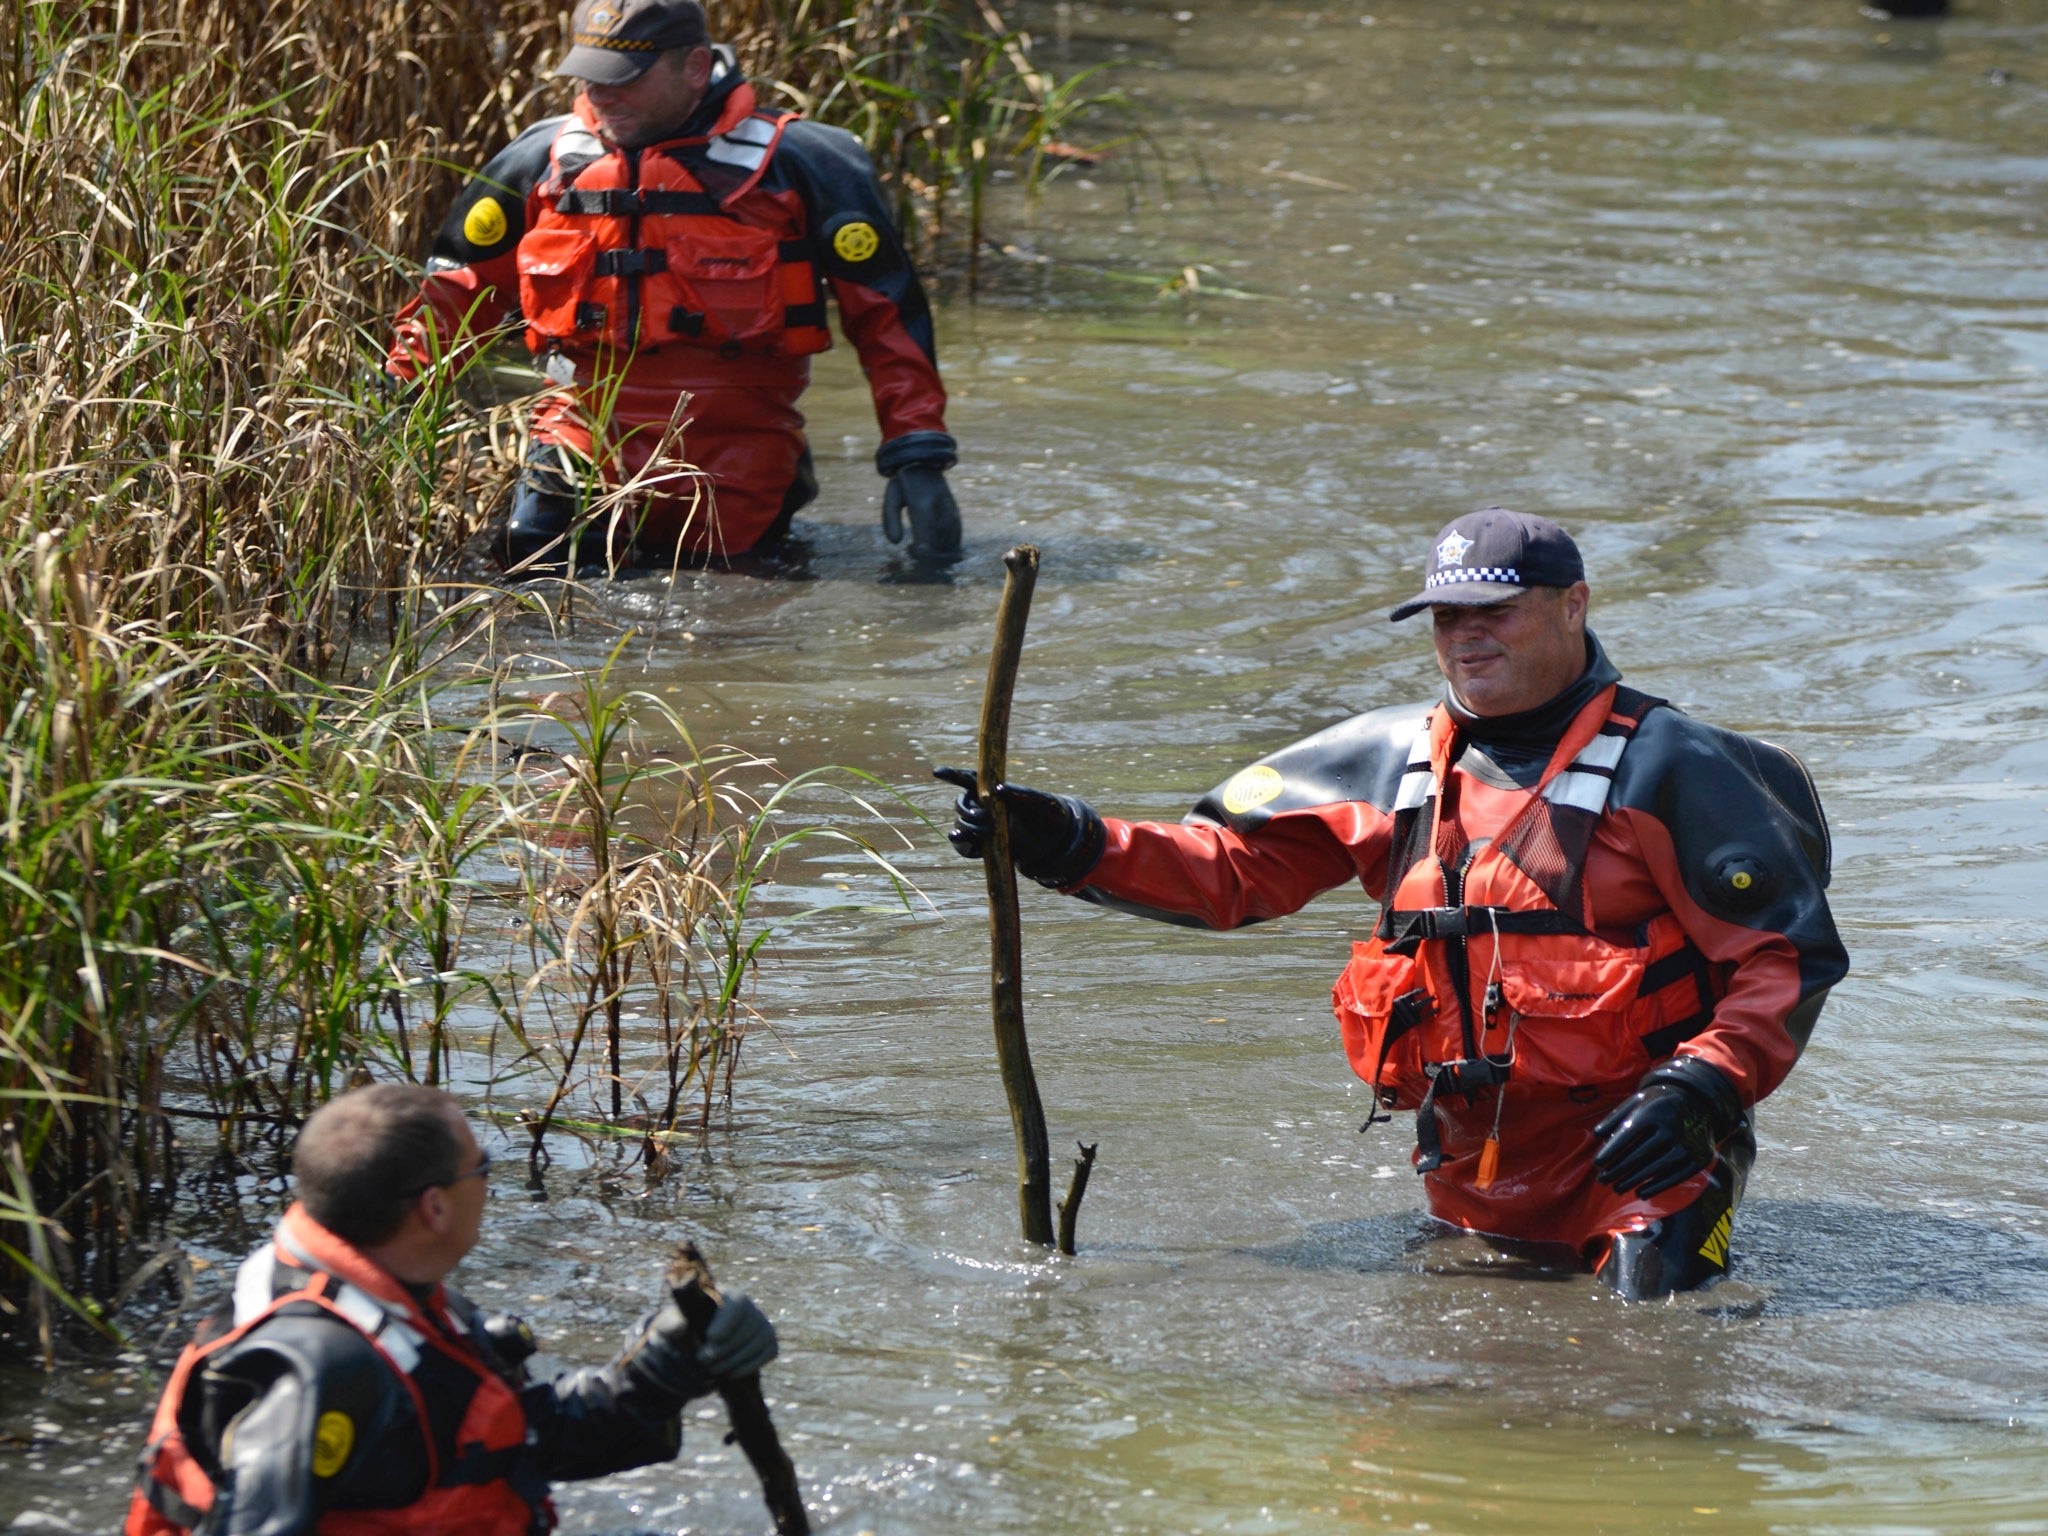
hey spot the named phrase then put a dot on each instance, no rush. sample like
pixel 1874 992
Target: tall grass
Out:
pixel 276 813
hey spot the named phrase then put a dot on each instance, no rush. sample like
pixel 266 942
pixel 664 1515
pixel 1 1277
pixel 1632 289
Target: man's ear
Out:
pixel 435 1213
pixel 1578 598
pixel 697 69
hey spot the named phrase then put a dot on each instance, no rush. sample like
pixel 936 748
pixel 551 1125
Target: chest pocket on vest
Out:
pixel 1383 1012
pixel 1577 1024
pixel 725 274
pixel 556 268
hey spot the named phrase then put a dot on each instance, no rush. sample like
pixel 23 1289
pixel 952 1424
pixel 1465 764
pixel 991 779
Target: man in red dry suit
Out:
pixel 668 246
pixel 1603 934
pixel 344 1388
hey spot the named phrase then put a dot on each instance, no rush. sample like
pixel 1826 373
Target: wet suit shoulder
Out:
pixel 256 1415
pixel 261 1413
pixel 856 246
pixel 472 279
pixel 489 214
pixel 1272 837
pixel 853 234
pixel 1731 830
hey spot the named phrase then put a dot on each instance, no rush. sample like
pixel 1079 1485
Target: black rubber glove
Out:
pixel 1055 839
pixel 1667 1130
pixel 739 1342
pixel 511 1339
pixel 388 389
pixel 921 490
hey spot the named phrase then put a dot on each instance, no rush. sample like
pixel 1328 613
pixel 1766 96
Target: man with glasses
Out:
pixel 1603 932
pixel 344 1383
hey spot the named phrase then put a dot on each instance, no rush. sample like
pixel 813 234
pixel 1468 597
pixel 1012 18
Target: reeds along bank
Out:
pixel 255 738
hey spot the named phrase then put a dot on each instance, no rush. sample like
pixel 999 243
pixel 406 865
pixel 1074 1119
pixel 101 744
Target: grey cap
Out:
pixel 614 41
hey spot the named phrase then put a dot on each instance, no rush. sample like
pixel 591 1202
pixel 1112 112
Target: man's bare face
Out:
pixel 655 105
pixel 1512 656
pixel 469 1190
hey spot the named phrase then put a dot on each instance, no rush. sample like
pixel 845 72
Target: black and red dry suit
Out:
pixel 1567 899
pixel 328 1396
pixel 697 267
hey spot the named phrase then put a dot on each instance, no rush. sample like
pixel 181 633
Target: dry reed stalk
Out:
pixel 254 792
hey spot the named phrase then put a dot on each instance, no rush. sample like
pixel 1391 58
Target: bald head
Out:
pixel 363 1158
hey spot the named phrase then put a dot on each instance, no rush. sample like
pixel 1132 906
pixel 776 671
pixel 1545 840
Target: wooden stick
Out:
pixel 1070 1208
pixel 689 1278
pixel 1006 959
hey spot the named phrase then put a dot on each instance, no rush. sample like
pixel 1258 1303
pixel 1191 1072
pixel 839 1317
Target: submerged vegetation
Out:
pixel 288 796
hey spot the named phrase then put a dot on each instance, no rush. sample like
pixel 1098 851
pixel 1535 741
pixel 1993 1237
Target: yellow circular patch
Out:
pixel 1740 880
pixel 484 224
pixel 856 242
pixel 333 1438
pixel 1253 787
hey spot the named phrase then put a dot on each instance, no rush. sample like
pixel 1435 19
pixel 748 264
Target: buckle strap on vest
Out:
pixel 1466 1077
pixel 1402 929
pixel 622 203
pixel 634 263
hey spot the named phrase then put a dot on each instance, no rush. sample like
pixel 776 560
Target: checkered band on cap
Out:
pixel 1458 573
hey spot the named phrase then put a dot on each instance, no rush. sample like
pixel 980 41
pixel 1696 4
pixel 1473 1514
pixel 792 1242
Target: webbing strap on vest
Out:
pixel 1466 1077
pixel 162 1497
pixel 1402 929
pixel 262 1281
pixel 1403 1014
pixel 1676 966
pixel 621 203
pixel 516 1466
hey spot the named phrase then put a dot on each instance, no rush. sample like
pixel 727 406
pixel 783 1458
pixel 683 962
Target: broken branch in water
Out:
pixel 1070 1208
pixel 689 1278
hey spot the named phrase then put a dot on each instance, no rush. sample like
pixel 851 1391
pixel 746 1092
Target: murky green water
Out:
pixel 1750 294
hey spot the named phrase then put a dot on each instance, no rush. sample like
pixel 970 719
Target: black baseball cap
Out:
pixel 1487 557
pixel 614 41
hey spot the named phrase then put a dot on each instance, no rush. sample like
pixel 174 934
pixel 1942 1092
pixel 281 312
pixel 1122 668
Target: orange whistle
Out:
pixel 1489 1163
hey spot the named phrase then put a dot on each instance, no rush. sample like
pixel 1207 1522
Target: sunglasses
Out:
pixel 482 1170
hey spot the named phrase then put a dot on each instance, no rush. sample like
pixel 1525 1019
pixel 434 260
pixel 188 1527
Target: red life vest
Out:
pixel 630 250
pixel 1485 969
pixel 473 1495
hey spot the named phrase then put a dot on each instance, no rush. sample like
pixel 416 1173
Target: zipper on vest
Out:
pixel 1459 956
pixel 633 278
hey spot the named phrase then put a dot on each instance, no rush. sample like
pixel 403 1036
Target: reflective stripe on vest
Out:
pixel 746 144
pixel 261 1286
pixel 1583 785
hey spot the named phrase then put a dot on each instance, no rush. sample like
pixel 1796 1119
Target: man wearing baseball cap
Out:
pixel 1602 933
pixel 668 247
